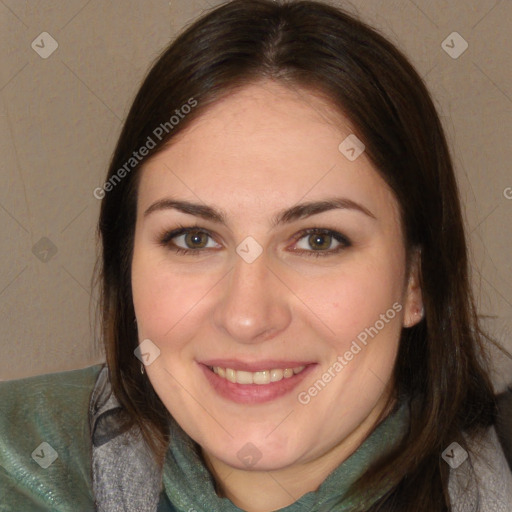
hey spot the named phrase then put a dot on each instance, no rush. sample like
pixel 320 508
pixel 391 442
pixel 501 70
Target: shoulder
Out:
pixel 44 401
pixel 483 478
pixel 45 441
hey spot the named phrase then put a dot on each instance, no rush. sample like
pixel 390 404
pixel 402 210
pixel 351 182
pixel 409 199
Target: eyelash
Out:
pixel 166 237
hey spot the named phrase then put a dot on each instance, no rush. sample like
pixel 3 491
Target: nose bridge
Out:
pixel 252 306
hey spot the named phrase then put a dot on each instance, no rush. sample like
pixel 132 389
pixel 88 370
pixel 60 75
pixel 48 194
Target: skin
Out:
pixel 251 155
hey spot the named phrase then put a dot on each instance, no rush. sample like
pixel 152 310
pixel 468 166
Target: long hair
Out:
pixel 312 46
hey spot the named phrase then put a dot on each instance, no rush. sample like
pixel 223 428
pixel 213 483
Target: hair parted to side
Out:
pixel 315 47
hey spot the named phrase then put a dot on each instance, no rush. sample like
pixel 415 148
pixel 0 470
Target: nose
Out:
pixel 254 303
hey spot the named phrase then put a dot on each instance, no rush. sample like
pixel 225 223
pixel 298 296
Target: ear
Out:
pixel 413 300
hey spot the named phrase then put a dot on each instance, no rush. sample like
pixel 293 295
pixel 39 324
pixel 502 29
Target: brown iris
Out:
pixel 319 241
pixel 193 239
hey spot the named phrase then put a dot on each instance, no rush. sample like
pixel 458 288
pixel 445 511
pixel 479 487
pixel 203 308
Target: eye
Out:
pixel 321 242
pixel 190 240
pixel 311 242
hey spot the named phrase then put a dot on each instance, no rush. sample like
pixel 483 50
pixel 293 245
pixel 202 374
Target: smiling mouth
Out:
pixel 260 377
pixel 255 387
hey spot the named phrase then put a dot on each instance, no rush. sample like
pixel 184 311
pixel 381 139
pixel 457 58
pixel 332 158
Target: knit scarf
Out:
pixel 126 478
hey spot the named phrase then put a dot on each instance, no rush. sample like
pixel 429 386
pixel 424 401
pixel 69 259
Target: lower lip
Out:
pixel 254 393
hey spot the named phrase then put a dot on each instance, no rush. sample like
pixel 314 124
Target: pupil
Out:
pixel 194 239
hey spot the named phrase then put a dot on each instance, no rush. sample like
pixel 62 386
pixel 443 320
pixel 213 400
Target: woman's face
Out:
pixel 258 297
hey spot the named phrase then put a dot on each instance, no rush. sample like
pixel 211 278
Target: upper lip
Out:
pixel 255 366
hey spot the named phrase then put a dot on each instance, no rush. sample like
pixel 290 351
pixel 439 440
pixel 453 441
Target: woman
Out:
pixel 287 315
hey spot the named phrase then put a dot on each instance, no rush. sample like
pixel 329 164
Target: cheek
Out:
pixel 163 298
pixel 350 301
pixel 361 309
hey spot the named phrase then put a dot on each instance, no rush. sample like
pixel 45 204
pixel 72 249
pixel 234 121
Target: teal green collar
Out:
pixel 190 486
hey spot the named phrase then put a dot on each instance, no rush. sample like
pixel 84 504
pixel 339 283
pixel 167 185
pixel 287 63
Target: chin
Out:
pixel 257 455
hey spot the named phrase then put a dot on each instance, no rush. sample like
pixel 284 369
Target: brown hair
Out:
pixel 314 46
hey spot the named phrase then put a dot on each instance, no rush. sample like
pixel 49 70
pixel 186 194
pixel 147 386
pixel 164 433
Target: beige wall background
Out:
pixel 61 113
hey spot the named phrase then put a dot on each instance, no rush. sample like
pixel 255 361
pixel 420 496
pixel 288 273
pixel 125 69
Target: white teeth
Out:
pixel 261 377
pixel 244 377
pixel 276 375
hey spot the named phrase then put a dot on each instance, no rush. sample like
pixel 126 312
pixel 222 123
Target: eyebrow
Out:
pixel 299 211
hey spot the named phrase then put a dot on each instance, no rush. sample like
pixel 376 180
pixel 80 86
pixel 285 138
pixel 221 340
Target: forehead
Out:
pixel 266 120
pixel 265 144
